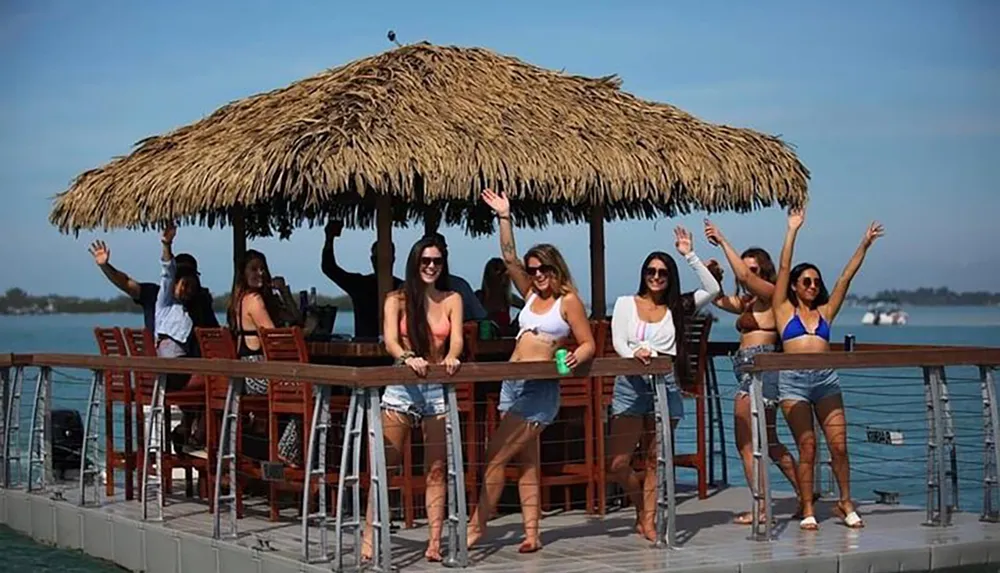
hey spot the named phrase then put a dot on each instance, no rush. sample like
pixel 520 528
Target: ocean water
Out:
pixel 21 554
pixel 875 399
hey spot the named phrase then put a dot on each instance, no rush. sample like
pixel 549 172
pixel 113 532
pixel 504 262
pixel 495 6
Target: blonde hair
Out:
pixel 549 255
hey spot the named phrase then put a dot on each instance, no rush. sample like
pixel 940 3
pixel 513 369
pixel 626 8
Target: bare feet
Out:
pixel 366 546
pixel 530 546
pixel 433 553
pixel 472 535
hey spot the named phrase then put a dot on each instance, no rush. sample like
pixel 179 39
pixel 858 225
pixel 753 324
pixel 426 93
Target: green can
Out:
pixel 486 330
pixel 561 366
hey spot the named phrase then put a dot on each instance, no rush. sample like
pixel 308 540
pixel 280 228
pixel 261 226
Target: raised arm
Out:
pixel 169 267
pixel 780 297
pixel 756 285
pixel 501 206
pixel 576 316
pixel 709 286
pixel 840 288
pixel 347 281
pixel 102 256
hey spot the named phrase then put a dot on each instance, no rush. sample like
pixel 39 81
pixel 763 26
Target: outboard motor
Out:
pixel 67 441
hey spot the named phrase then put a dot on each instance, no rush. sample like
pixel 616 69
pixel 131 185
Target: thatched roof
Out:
pixel 431 125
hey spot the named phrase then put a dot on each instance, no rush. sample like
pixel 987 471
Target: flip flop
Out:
pixel 809 524
pixel 851 519
pixel 525 547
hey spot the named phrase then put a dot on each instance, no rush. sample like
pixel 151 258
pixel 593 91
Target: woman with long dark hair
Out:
pixel 497 295
pixel 252 306
pixel 651 323
pixel 804 311
pixel 422 325
pixel 552 313
pixel 755 278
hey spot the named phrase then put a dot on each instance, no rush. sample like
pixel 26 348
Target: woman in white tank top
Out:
pixel 552 312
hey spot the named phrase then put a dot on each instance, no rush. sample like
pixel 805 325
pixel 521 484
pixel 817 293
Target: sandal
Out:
pixel 850 518
pixel 809 524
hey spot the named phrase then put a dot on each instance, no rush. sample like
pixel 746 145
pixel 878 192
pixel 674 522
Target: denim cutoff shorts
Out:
pixel 808 385
pixel 768 379
pixel 536 401
pixel 417 400
pixel 633 396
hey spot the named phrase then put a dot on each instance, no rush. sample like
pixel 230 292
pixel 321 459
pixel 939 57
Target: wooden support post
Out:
pixel 598 304
pixel 432 220
pixel 239 238
pixel 383 222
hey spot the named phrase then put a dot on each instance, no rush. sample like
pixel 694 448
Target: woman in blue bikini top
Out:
pixel 804 311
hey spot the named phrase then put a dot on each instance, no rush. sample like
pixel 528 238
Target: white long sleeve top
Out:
pixel 629 333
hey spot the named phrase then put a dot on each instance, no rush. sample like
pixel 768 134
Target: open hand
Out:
pixel 100 252
pixel 451 365
pixel 875 230
pixel 796 217
pixel 682 240
pixel 278 283
pixel 497 201
pixel 713 234
pixel 418 365
pixel 333 228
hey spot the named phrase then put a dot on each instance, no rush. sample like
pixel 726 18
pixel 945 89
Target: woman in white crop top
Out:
pixel 552 312
pixel 643 326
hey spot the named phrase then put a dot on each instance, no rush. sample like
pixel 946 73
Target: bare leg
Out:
pixel 830 411
pixel 626 432
pixel 512 435
pixel 647 512
pixel 395 429
pixel 529 491
pixel 435 462
pixel 743 425
pixel 799 415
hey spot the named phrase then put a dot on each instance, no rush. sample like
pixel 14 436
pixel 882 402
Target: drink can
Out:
pixel 849 343
pixel 485 330
pixel 561 366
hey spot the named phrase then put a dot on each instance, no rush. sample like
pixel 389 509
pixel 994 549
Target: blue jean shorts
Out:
pixel 633 396
pixel 768 379
pixel 536 401
pixel 417 400
pixel 808 385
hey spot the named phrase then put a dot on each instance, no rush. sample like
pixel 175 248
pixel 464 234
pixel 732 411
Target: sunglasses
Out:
pixel 428 261
pixel 652 272
pixel 808 282
pixel 544 269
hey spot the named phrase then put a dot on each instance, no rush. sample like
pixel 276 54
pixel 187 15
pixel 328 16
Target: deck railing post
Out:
pixel 948 435
pixel 350 477
pixel 938 506
pixel 152 480
pixel 40 437
pixel 458 549
pixel 12 432
pixel 226 460
pixel 316 468
pixel 90 438
pixel 666 522
pixel 4 397
pixel 991 453
pixel 382 538
pixel 760 529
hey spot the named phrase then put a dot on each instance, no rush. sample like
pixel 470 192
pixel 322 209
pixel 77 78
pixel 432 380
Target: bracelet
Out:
pixel 407 355
pixel 507 216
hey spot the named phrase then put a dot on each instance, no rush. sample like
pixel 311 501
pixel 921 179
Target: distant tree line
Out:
pixel 17 301
pixel 927 296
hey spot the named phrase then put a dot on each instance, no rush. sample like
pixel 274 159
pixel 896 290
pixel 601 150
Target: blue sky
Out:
pixel 893 105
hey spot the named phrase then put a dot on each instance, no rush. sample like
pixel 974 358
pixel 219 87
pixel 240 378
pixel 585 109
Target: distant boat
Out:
pixel 885 312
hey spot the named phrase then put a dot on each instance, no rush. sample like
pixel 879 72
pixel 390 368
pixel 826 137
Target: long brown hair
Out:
pixel 678 304
pixel 562 280
pixel 241 288
pixel 496 279
pixel 767 271
pixel 415 294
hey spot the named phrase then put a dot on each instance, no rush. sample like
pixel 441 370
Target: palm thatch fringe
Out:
pixel 430 125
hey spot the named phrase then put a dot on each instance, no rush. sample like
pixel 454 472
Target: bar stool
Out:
pixel 118 389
